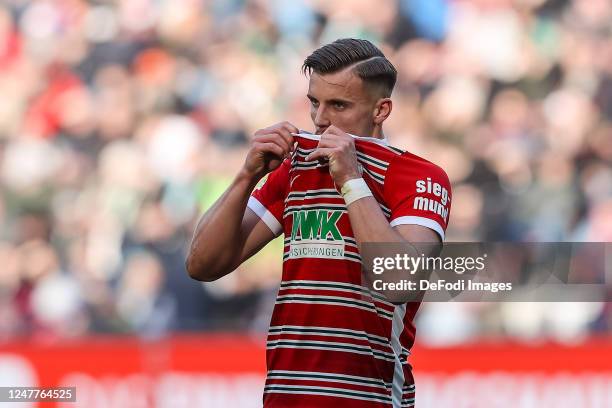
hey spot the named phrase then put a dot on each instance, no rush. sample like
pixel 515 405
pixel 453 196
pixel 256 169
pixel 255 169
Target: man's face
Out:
pixel 342 100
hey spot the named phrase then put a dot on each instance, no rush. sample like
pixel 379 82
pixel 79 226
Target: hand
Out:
pixel 338 148
pixel 269 147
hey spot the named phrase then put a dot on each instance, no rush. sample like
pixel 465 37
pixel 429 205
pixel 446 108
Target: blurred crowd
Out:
pixel 121 121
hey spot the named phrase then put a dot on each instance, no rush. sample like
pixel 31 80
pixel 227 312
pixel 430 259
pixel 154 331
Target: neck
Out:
pixel 377 132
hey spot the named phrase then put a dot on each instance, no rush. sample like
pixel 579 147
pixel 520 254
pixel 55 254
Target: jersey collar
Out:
pixel 312 136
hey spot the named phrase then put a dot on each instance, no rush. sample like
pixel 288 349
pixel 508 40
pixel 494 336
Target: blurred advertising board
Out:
pixel 228 371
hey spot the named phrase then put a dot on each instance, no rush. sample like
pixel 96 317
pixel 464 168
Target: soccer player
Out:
pixel 329 341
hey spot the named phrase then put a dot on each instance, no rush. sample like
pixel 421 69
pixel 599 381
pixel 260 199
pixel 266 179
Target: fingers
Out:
pixel 276 139
pixel 333 139
pixel 334 134
pixel 320 154
pixel 328 141
pixel 342 141
pixel 269 147
pixel 281 134
pixel 283 131
pixel 290 127
pixel 334 131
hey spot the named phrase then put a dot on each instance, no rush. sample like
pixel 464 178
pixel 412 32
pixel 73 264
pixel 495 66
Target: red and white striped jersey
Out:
pixel 331 341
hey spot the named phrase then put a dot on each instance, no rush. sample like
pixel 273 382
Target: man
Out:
pixel 329 343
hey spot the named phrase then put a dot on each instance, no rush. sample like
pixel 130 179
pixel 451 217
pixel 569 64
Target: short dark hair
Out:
pixel 370 64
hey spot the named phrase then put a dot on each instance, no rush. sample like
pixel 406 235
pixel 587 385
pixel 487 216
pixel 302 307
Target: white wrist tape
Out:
pixel 355 189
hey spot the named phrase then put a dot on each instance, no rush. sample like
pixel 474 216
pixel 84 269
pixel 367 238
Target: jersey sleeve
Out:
pixel 268 200
pixel 418 192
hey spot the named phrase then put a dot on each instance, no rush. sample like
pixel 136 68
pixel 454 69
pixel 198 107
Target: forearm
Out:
pixel 218 236
pixel 371 226
pixel 369 223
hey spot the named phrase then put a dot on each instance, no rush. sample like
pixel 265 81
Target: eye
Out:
pixel 339 105
pixel 314 102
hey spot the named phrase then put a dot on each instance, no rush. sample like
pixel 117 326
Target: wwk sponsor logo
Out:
pixel 315 234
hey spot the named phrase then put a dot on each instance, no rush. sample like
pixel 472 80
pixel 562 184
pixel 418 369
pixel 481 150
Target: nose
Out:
pixel 321 120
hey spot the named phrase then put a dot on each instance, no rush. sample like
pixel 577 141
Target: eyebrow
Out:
pixel 334 100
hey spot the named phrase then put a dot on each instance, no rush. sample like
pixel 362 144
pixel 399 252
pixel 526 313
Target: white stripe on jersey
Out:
pixel 329 377
pixel 329 332
pixel 398 372
pixel 329 391
pixel 332 285
pixel 330 345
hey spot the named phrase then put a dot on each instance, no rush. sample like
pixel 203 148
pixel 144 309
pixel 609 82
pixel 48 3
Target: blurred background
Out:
pixel 122 121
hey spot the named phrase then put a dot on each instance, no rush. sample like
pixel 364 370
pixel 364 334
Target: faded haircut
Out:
pixel 369 63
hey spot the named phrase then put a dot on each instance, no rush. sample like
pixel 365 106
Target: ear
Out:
pixel 382 110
